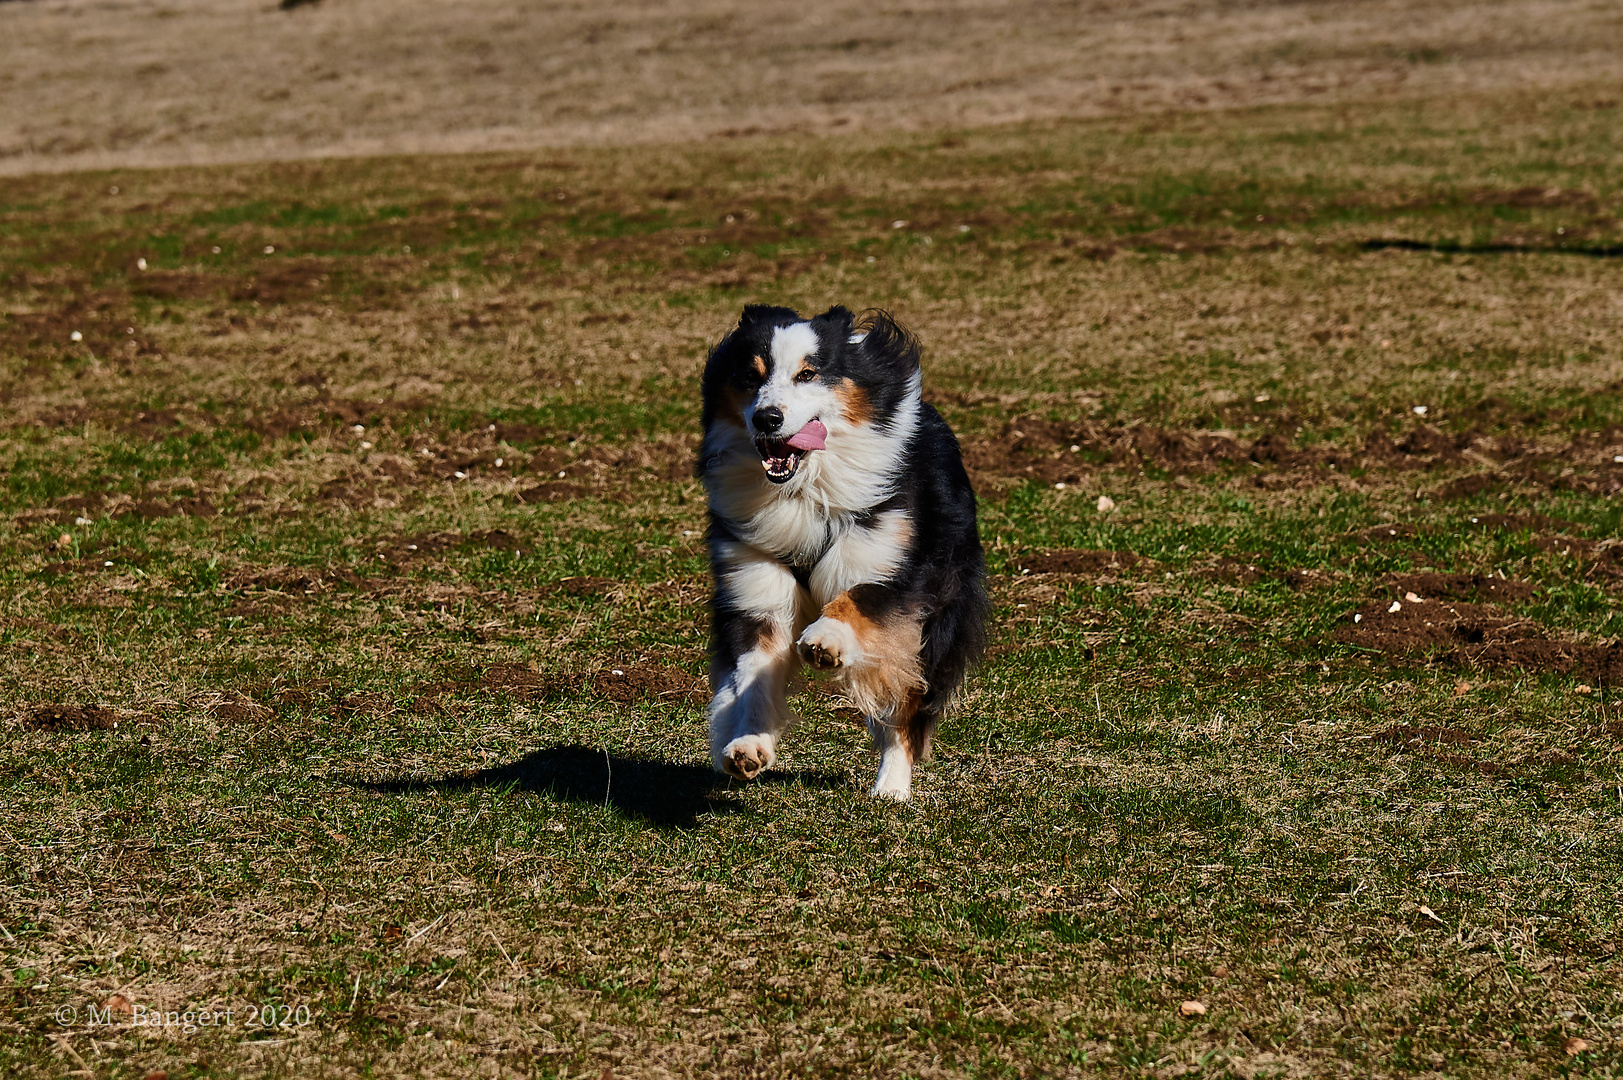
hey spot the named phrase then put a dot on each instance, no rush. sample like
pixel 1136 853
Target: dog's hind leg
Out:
pixel 901 739
pixel 757 604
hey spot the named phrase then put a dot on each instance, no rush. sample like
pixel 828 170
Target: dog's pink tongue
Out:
pixel 809 437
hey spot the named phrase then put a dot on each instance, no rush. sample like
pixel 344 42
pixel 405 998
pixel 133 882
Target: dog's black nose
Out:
pixel 768 420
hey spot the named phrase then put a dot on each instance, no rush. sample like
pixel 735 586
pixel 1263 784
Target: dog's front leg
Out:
pixel 753 657
pixel 871 642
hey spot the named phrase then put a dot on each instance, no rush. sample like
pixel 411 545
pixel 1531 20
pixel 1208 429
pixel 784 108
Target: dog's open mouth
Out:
pixel 782 457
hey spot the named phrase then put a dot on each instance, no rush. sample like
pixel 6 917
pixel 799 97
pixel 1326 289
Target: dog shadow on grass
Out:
pixel 664 794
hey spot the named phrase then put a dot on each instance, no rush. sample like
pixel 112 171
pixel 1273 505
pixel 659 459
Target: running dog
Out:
pixel 842 535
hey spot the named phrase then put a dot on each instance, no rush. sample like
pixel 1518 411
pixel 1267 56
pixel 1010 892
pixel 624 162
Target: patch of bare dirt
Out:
pixel 1082 562
pixel 1036 448
pixel 517 681
pixel 553 491
pixel 35 629
pixel 326 695
pixel 1565 546
pixel 305 695
pixel 1525 197
pixel 237 709
pixel 153 509
pixel 304 581
pixel 1391 533
pixel 631 683
pixel 369 706
pixel 1429 741
pixel 1607 563
pixel 1475 587
pixel 1427 735
pixel 1177 240
pixel 59 718
pixel 1405 627
pixel 283 281
pixel 1236 570
pixel 1596 561
pixel 641 682
pixel 102 319
pixel 155 424
pixel 178 285
pixel 1463 634
pixel 118 505
pixel 410 549
pixel 1469 487
pixel 1525 523
pixel 1299 580
pixel 1499 770
pixel 326 413
pixel 583 586
pixel 1420 447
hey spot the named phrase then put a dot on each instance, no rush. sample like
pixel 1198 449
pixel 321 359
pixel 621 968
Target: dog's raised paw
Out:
pixel 827 644
pixel 819 656
pixel 747 756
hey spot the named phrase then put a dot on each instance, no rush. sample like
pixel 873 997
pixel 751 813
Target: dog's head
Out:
pixel 797 387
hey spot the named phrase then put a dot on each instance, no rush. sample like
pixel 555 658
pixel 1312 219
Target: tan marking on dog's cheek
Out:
pixel 854 403
pixel 760 366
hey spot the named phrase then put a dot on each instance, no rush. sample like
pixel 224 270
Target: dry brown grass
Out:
pixel 152 82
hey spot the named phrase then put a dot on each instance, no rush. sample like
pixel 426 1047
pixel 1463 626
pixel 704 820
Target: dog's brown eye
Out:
pixel 805 375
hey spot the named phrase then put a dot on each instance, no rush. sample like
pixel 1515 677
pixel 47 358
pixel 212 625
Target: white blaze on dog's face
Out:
pixel 789 415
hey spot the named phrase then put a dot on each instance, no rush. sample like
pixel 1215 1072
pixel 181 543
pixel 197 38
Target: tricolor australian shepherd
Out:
pixel 842 535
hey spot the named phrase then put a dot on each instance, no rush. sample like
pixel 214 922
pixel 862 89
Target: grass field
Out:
pixel 353 623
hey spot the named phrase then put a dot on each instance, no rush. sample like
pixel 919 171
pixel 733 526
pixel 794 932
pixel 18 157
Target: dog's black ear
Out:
pixel 880 336
pixel 754 313
pixel 767 313
pixel 838 319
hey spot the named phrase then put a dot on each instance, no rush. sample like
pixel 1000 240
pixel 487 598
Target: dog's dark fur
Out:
pixel 855 552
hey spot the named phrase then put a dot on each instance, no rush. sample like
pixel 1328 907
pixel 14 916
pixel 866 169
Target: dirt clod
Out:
pixel 637 683
pixel 69 718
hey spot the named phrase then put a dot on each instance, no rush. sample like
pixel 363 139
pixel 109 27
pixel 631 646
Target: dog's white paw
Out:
pixel 895 780
pixel 747 756
pixel 898 792
pixel 828 644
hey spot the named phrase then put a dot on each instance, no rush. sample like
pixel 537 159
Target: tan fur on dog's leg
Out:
pixel 893 738
pixel 878 662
